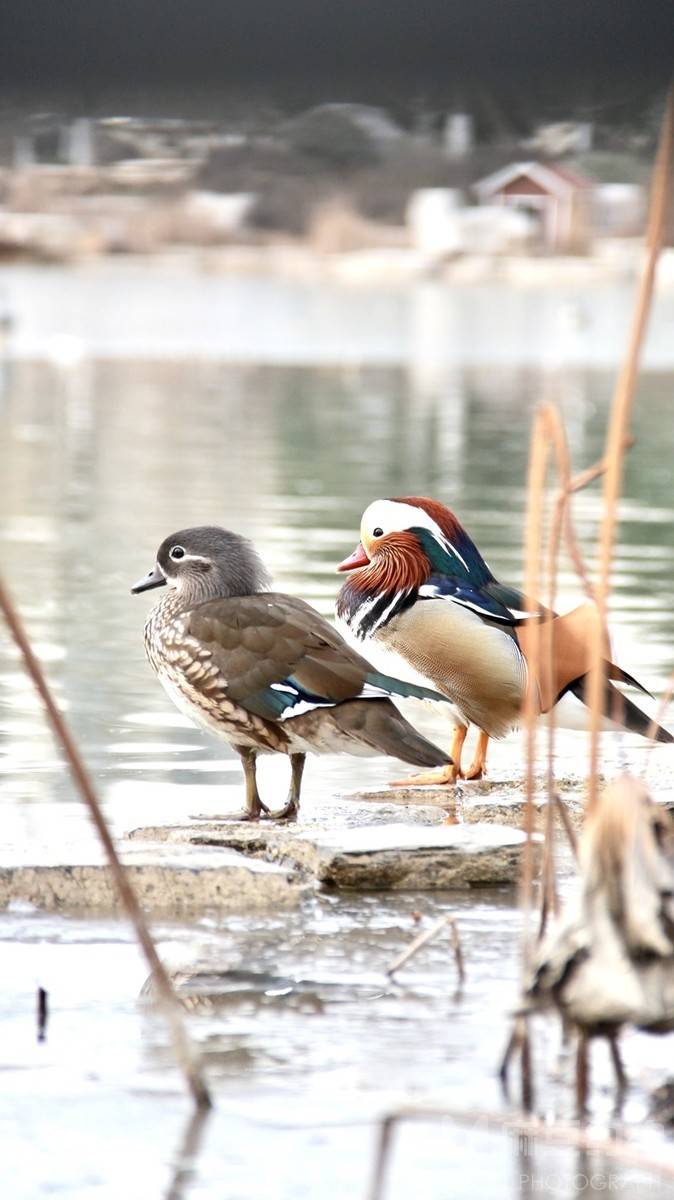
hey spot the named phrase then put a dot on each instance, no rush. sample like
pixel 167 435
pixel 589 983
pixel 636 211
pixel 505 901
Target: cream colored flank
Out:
pixel 479 666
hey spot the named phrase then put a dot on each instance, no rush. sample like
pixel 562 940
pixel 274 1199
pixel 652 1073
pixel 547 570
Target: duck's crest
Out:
pixel 464 551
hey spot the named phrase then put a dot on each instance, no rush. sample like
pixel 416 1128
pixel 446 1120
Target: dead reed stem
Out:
pixel 42 1014
pixel 538 459
pixel 182 1047
pixel 548 430
pixel 568 827
pixel 190 1145
pixel 619 421
pixel 422 939
pixel 572 1137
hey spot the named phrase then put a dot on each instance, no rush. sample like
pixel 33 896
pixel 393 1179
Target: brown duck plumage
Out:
pixel 264 670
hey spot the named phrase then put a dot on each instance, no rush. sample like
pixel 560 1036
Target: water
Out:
pixel 120 422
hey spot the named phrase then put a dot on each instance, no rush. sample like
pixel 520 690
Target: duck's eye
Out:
pixel 177 552
pixel 378 532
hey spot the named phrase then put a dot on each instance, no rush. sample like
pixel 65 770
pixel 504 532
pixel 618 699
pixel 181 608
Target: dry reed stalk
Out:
pixel 591 473
pixel 422 939
pixel 618 426
pixel 188 1150
pixel 568 827
pixel 538 459
pixel 42 1014
pixel 552 428
pixel 571 1137
pixel 182 1047
pixel 561 521
pixel 548 430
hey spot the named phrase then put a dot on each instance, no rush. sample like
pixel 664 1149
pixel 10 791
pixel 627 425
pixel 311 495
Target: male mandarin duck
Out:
pixel 421 590
pixel 264 670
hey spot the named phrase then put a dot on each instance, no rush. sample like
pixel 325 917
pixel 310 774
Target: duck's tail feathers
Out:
pixel 619 676
pixel 380 726
pixel 622 710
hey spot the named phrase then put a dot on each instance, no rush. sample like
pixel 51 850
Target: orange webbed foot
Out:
pixel 448 774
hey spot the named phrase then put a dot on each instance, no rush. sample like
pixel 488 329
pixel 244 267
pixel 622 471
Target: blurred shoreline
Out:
pixel 289 306
pixel 617 261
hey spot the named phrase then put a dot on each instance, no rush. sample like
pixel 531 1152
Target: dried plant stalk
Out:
pixel 618 425
pixel 569 1136
pixel 182 1047
pixel 548 430
pixel 422 939
pixel 538 460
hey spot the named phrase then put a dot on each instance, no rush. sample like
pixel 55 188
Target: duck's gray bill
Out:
pixel 154 578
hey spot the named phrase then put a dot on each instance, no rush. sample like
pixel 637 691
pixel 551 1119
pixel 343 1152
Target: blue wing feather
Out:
pixel 491 600
pixel 287 698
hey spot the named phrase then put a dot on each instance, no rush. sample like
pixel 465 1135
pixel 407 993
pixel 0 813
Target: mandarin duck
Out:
pixel 264 670
pixel 421 591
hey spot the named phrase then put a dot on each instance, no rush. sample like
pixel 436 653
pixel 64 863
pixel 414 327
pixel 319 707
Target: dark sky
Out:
pixel 438 46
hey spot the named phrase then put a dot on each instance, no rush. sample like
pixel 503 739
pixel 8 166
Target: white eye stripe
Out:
pixel 189 557
pixel 393 515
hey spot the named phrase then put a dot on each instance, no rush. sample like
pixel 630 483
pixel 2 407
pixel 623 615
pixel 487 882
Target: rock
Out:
pixel 480 801
pixel 404 856
pixel 374 856
pixel 165 879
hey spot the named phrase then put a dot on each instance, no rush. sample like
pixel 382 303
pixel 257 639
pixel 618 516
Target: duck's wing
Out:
pixel 282 659
pixel 491 600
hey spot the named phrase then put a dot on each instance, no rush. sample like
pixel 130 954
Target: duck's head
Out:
pixel 413 537
pixel 205 562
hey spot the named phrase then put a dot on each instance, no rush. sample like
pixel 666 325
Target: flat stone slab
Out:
pixel 373 857
pixel 166 878
pixel 479 801
pixel 414 856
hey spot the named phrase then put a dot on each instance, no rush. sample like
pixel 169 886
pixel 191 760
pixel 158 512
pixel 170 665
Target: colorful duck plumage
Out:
pixel 421 590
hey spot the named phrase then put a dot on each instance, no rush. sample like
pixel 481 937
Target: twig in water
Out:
pixel 42 1014
pixel 376 1191
pixel 568 827
pixel 569 1136
pixel 519 1042
pixel 182 1047
pixel 422 938
pixel 190 1144
pixel 589 475
pixel 618 1067
pixel 582 1074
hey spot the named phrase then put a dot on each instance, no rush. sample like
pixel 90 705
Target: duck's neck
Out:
pixel 374 595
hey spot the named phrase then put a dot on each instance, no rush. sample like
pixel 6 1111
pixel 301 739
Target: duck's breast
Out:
pixel 478 665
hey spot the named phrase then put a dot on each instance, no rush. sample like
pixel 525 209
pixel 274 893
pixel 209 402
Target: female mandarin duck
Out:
pixel 263 670
pixel 422 591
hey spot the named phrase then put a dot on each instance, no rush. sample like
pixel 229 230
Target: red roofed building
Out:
pixel 557 198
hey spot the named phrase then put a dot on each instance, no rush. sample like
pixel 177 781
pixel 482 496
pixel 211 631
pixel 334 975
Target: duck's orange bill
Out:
pixel 358 559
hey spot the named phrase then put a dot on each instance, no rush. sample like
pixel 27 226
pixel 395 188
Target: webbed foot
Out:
pixel 447 774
